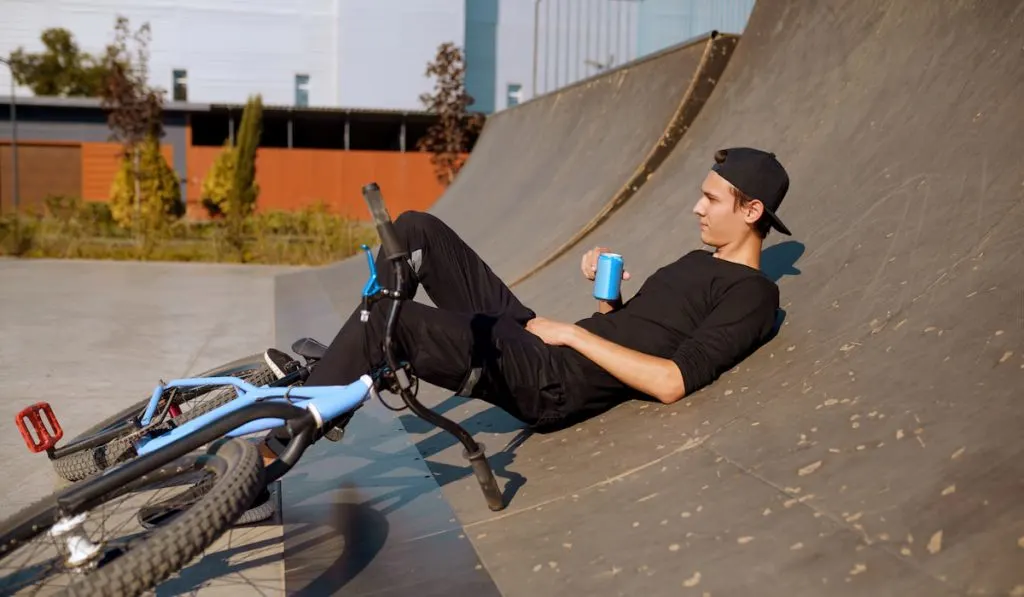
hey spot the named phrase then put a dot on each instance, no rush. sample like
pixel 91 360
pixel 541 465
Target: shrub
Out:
pixel 218 181
pixel 159 193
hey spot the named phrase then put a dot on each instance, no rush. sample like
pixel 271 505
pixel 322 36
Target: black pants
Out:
pixel 473 342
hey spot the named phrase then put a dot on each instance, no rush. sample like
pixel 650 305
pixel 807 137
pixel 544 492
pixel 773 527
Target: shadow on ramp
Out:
pixel 779 261
pixel 339 543
pixel 356 510
pixel 215 571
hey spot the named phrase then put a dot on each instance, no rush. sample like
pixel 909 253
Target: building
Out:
pixel 341 81
pixel 362 54
pixel 306 155
pixel 316 53
pixel 519 49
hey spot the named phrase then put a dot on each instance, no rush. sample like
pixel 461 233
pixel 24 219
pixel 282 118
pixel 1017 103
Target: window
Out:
pixel 514 95
pixel 180 85
pixel 302 90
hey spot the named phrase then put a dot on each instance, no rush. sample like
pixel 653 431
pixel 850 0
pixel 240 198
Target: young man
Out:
pixel 690 321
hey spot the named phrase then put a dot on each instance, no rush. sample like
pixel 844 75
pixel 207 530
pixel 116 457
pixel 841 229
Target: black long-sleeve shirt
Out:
pixel 702 312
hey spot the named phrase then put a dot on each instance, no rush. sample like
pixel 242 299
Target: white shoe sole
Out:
pixel 273 366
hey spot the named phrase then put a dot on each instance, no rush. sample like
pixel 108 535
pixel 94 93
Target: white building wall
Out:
pixel 576 39
pixel 665 23
pixel 515 51
pixel 357 53
pixel 385 46
pixel 581 38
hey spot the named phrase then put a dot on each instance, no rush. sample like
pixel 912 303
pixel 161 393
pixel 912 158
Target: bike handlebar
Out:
pixel 385 228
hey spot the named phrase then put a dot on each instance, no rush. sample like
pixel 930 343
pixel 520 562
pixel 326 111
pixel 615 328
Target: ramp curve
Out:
pixel 873 446
pixel 548 168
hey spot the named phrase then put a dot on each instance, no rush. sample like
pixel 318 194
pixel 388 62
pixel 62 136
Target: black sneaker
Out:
pixel 280 363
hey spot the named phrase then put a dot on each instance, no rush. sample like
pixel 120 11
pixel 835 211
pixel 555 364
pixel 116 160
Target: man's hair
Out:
pixel 763 225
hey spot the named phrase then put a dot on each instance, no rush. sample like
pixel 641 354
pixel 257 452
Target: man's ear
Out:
pixel 753 211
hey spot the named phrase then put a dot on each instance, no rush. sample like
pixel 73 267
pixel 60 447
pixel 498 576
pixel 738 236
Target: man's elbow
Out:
pixel 674 387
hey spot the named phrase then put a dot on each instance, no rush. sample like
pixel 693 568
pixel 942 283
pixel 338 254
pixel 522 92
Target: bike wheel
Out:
pixel 41 545
pixel 193 403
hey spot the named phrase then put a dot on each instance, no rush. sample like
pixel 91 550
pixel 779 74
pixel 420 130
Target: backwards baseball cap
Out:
pixel 759 175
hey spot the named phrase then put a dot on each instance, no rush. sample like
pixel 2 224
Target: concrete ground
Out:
pixel 91 337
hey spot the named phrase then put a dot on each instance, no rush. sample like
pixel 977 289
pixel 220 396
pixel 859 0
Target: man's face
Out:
pixel 722 220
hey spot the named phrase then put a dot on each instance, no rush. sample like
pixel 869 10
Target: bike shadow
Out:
pixel 378 463
pixel 351 535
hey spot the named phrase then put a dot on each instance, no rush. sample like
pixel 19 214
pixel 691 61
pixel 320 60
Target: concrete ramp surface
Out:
pixel 542 171
pixel 874 446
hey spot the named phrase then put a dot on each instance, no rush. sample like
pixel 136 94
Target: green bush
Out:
pixel 18 236
pixel 159 193
pixel 72 228
pixel 218 181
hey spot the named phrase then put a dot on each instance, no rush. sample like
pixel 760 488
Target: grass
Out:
pixel 71 229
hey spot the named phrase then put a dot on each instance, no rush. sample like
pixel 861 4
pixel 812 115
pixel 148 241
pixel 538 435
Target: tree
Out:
pixel 134 108
pixel 158 189
pixel 134 114
pixel 61 69
pixel 244 190
pixel 451 137
pixel 218 181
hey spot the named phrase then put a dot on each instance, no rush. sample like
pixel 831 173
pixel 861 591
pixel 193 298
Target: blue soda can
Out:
pixel 609 277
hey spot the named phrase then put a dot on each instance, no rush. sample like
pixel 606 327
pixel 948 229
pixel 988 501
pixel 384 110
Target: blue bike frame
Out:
pixel 325 402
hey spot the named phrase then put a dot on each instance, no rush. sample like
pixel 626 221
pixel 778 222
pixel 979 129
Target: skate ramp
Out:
pixel 547 169
pixel 874 446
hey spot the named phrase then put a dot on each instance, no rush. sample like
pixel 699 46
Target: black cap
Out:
pixel 759 175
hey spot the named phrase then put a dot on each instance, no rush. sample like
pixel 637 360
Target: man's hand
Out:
pixel 654 376
pixel 588 265
pixel 551 332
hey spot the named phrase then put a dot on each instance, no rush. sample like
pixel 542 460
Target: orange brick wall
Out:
pixel 100 162
pixel 44 168
pixel 289 179
pixel 294 178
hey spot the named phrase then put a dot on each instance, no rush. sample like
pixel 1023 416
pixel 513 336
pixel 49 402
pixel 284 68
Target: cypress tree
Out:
pixel 244 189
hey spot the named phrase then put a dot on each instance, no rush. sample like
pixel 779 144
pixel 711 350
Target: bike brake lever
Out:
pixel 371 288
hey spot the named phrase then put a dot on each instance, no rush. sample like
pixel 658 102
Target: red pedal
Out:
pixel 32 414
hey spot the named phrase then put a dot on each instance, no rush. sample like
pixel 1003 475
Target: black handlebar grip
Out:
pixel 484 475
pixel 385 227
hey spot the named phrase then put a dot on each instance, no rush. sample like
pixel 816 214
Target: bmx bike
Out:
pixel 213 474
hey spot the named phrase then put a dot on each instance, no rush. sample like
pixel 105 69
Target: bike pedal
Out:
pixel 33 415
pixel 335 434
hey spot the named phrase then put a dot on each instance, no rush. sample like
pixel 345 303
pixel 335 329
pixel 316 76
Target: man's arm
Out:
pixel 657 377
pixel 736 327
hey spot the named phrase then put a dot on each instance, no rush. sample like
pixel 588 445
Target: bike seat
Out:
pixel 309 348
